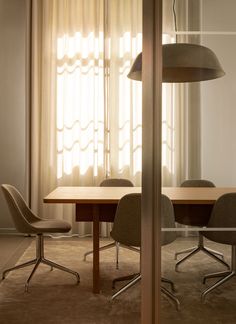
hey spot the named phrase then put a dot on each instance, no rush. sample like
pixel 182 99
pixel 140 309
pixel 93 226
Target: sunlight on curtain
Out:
pixel 89 73
pixel 86 113
pixel 130 120
pixel 80 103
pixel 181 105
pixel 124 95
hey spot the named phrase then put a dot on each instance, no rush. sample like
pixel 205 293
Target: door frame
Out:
pixel 151 161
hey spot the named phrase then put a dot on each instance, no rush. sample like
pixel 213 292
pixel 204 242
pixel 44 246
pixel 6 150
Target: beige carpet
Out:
pixel 54 298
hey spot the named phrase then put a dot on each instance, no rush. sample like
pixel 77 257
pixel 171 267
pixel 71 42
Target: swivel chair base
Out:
pixel 225 274
pixel 39 259
pixel 105 247
pixel 111 245
pixel 136 278
pixel 214 254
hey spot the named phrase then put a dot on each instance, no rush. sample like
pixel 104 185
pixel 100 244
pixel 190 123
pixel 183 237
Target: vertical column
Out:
pixel 151 160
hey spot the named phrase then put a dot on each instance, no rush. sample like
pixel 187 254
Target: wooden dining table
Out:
pixel 98 204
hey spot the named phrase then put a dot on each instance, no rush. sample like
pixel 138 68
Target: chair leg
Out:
pixel 197 249
pixel 124 278
pixel 31 275
pixel 60 267
pixel 184 251
pixel 127 286
pixel 165 280
pixel 22 265
pixel 221 255
pixel 102 248
pixel 214 254
pixel 136 278
pixel 39 259
pixel 215 275
pixel 171 296
pixel 193 248
pixel 227 275
pixel 217 284
pixel 108 246
pixel 117 254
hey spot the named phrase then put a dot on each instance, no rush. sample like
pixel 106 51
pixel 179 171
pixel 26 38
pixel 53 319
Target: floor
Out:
pixel 218 309
pixel 11 249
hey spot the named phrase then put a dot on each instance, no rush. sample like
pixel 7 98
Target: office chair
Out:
pixel 194 216
pixel 27 222
pixel 127 230
pixel 112 182
pixel 223 215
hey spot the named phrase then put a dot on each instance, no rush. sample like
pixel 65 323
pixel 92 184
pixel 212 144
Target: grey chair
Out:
pixel 27 222
pixel 222 216
pixel 112 182
pixel 127 231
pixel 194 216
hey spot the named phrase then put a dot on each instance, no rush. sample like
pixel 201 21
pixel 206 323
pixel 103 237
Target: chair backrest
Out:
pixel 167 220
pixel 127 223
pixel 197 183
pixel 223 215
pixel 20 212
pixel 194 215
pixel 115 182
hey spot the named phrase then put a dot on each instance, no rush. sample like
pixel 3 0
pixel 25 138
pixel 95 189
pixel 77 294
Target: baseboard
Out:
pixel 10 231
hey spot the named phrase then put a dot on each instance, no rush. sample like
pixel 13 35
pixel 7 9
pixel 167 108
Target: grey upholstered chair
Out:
pixel 127 231
pixel 223 215
pixel 112 182
pixel 27 222
pixel 190 218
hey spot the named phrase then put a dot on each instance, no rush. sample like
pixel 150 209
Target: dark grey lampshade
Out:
pixel 183 62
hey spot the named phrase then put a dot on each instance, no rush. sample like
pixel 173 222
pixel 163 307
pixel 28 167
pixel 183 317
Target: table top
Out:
pixel 91 195
pixel 109 195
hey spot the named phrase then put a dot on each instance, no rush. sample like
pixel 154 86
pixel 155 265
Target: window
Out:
pixel 99 110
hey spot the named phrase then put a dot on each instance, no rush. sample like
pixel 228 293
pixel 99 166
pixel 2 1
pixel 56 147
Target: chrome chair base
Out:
pixel 214 254
pixel 39 259
pixel 225 274
pixel 108 246
pixel 124 278
pixel 105 247
pixel 136 278
pixel 172 297
pixel 165 280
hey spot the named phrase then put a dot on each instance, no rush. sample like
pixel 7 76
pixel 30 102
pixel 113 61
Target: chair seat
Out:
pixel 51 226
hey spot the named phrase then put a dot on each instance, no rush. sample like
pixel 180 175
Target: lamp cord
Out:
pixel 175 20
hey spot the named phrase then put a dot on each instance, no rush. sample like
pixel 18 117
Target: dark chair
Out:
pixel 127 231
pixel 27 222
pixel 112 182
pixel 194 216
pixel 223 216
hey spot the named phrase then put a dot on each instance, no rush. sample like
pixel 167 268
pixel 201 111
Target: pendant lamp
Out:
pixel 183 62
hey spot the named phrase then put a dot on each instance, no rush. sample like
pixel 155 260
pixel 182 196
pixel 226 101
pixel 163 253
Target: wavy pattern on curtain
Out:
pixel 80 103
pixel 181 151
pixel 86 112
pixel 89 75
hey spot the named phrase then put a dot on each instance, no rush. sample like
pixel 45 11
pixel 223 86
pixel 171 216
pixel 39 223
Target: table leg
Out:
pixel 96 279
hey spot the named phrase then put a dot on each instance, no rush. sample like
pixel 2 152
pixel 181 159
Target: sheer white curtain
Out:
pixel 86 114
pixel 124 96
pixel 181 146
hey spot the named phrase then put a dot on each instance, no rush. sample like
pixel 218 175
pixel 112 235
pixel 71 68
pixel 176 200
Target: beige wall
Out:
pixel 12 100
pixel 218 114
